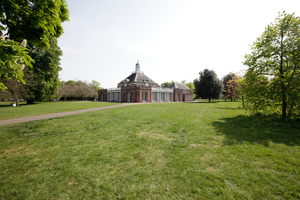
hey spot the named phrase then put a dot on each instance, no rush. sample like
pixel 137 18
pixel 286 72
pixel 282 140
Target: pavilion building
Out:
pixel 138 87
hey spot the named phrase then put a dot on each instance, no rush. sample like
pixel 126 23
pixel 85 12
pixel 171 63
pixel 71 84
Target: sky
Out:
pixel 171 39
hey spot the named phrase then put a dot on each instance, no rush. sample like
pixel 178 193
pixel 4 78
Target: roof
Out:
pixel 139 78
pixel 181 86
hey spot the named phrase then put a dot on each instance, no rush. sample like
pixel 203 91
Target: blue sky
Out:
pixel 172 39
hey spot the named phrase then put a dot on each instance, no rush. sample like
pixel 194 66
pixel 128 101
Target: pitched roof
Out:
pixel 139 78
pixel 179 86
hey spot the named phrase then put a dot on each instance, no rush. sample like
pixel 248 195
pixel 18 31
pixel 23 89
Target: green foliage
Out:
pixel 208 86
pixel 46 69
pixel 192 88
pixel 274 68
pixel 70 82
pixel 166 84
pixel 35 20
pixel 225 79
pixel 96 86
pixel 10 52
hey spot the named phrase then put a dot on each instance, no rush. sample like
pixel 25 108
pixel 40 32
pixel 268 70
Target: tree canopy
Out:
pixel 46 69
pixel 34 20
pixel 208 85
pixel 40 22
pixel 273 78
pixel 96 85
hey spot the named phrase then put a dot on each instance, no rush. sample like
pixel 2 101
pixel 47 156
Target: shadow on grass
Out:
pixel 199 102
pixel 8 105
pixel 227 108
pixel 254 130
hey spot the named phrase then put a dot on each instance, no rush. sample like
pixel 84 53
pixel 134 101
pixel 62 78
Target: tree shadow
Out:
pixel 8 105
pixel 255 130
pixel 226 108
pixel 199 102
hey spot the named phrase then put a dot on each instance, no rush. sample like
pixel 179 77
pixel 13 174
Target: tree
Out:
pixel 13 58
pixel 230 88
pixel 39 21
pixel 46 69
pixel 274 65
pixel 17 90
pixel 96 85
pixel 76 89
pixel 192 88
pixel 166 84
pixel 208 85
pixel 225 79
pixel 241 83
pixel 35 20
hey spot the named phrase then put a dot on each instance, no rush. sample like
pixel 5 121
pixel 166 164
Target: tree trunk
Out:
pixel 283 115
pixel 225 99
pixel 243 101
pixel 209 99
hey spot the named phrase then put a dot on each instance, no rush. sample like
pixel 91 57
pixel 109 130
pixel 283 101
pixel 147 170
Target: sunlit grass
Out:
pixel 40 108
pixel 152 151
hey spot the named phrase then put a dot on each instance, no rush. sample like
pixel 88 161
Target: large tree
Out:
pixel 34 20
pixel 46 69
pixel 208 85
pixel 274 66
pixel 40 22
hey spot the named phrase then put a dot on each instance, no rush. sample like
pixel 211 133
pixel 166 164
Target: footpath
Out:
pixel 48 116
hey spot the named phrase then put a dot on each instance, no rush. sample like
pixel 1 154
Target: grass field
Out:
pixel 152 151
pixel 41 108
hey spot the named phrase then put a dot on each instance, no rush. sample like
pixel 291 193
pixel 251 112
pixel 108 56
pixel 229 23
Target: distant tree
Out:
pixel 192 88
pixel 83 90
pixel 274 67
pixel 71 82
pixel 96 85
pixel 240 84
pixel 166 84
pixel 231 91
pixel 225 79
pixel 76 89
pixel 208 86
pixel 66 91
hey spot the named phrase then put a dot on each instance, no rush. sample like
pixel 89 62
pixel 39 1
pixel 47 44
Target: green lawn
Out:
pixel 152 151
pixel 41 108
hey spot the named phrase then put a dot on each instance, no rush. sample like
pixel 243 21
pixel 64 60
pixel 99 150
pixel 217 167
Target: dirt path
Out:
pixel 47 116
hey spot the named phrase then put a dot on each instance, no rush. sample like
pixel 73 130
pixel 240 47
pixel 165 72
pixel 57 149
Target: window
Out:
pixel 154 96
pixel 162 96
pixel 144 97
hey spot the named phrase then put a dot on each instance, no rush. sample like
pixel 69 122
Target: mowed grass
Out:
pixel 41 108
pixel 152 151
